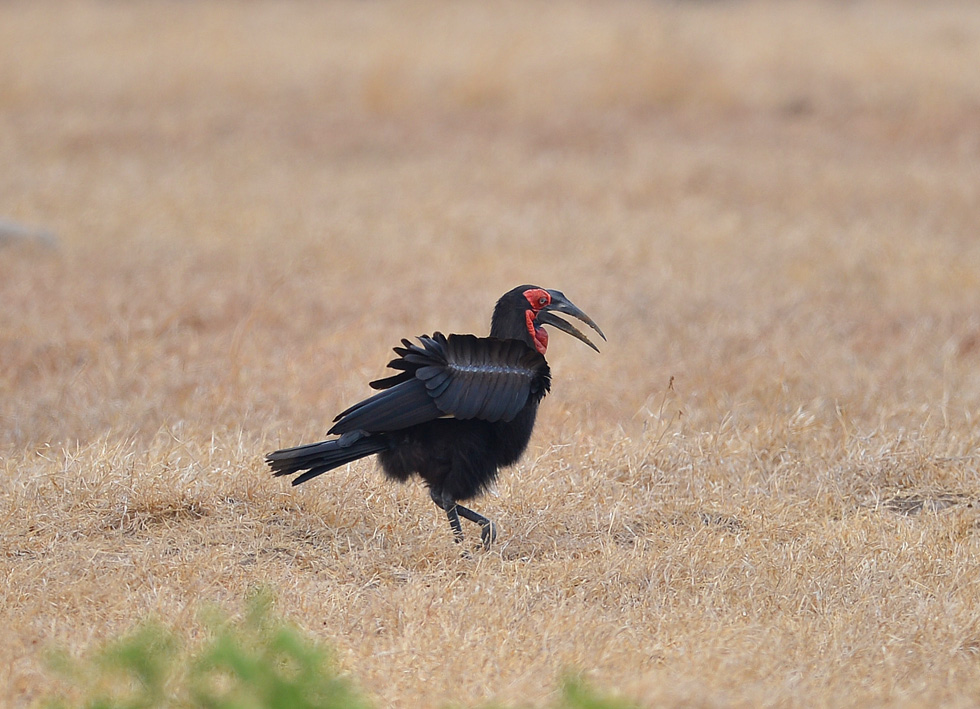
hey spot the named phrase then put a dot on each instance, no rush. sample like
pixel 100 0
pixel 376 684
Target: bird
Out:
pixel 458 409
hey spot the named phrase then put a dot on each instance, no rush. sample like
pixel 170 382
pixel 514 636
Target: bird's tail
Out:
pixel 317 458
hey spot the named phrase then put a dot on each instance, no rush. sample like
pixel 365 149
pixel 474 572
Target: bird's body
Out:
pixel 460 407
pixel 461 458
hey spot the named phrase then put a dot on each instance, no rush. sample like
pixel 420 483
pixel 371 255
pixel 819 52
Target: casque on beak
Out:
pixel 559 303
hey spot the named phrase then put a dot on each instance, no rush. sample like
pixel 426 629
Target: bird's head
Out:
pixel 522 313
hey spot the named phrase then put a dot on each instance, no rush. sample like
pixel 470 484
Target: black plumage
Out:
pixel 458 409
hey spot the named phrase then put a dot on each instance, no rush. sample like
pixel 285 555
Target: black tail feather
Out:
pixel 318 458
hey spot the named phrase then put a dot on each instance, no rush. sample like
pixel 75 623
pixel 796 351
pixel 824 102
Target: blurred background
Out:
pixel 251 202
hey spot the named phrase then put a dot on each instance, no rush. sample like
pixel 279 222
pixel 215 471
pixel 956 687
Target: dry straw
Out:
pixel 772 206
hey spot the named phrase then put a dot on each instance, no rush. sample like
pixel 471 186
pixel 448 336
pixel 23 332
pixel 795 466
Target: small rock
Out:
pixel 12 233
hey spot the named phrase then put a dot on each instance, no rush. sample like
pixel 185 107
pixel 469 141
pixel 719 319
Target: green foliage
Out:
pixel 264 663
pixel 576 694
pixel 130 673
pixel 258 662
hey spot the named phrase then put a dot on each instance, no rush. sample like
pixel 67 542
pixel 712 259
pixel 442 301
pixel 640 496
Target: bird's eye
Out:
pixel 537 298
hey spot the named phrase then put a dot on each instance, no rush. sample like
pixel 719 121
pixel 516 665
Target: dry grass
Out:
pixel 774 204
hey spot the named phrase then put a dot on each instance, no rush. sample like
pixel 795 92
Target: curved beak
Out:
pixel 561 304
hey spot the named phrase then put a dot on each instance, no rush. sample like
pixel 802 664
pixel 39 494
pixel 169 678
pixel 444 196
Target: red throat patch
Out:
pixel 538 334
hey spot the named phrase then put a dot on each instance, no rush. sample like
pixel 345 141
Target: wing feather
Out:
pixel 492 407
pixel 461 376
pixel 490 379
pixel 401 406
pixel 436 379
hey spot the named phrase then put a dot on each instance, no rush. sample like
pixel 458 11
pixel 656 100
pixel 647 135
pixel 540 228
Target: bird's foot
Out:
pixel 488 533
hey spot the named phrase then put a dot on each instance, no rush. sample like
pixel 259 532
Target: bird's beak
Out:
pixel 559 303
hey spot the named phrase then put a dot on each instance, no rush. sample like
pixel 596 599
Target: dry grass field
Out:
pixel 763 492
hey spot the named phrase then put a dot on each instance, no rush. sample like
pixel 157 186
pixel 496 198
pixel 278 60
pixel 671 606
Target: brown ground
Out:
pixel 773 204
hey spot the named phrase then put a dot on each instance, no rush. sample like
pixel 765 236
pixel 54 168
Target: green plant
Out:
pixel 259 661
pixel 577 694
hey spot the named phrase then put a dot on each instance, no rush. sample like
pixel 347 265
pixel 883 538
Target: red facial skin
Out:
pixel 538 299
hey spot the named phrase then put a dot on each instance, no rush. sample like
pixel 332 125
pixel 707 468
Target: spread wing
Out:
pixel 462 376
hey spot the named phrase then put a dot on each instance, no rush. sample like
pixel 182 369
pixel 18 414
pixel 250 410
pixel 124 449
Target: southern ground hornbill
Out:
pixel 458 409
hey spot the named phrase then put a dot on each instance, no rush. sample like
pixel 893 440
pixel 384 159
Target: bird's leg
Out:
pixel 455 524
pixel 488 530
pixel 449 505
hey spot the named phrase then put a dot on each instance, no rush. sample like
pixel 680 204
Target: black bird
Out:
pixel 459 408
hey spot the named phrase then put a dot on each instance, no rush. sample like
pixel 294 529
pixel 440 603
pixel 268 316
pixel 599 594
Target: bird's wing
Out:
pixel 462 376
pixel 482 377
pixel 401 406
pixel 407 369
